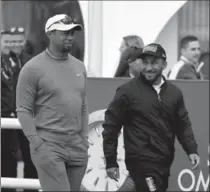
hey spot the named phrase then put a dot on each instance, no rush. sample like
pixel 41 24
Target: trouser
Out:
pixel 60 167
pixel 29 168
pixel 147 180
pixel 8 160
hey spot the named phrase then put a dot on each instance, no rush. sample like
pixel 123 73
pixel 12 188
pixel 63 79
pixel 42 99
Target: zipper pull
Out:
pixel 159 98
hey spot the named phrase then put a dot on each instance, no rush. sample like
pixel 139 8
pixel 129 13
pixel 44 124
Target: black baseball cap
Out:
pixel 155 50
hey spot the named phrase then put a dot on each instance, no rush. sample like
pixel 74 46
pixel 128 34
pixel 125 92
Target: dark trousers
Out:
pixel 147 180
pixel 8 160
pixel 11 142
pixel 29 169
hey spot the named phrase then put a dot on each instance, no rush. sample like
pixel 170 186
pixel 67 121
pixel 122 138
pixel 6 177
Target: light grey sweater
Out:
pixel 51 99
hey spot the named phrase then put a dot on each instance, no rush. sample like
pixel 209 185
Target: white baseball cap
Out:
pixel 61 22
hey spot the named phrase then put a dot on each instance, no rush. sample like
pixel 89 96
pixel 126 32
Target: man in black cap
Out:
pixel 152 113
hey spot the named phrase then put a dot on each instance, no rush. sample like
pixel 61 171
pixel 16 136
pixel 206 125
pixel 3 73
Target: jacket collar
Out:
pixel 183 58
pixel 188 62
pixel 142 79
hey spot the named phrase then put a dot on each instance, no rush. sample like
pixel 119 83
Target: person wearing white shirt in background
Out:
pixel 188 67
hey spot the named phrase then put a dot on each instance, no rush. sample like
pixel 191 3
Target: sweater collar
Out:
pixel 54 57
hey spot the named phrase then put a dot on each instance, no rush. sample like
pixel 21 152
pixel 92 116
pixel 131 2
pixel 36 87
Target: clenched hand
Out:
pixel 195 160
pixel 113 173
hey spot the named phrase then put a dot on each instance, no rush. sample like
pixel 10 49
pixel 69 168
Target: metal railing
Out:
pixel 10 123
pixel 16 183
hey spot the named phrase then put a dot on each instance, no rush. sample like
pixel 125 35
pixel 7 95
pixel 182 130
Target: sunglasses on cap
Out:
pixel 65 21
pixel 17 29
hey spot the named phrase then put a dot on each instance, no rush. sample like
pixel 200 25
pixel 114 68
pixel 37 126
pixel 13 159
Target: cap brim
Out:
pixel 150 53
pixel 63 27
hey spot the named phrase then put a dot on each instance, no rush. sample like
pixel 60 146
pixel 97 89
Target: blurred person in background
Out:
pixel 188 66
pixel 129 44
pixel 10 148
pixel 134 63
pixel 204 64
pixel 24 52
pixel 16 52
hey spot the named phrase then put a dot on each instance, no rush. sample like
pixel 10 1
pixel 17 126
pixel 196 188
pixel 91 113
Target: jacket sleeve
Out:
pixel 114 117
pixel 184 132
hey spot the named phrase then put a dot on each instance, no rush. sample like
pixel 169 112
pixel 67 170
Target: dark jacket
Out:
pixel 11 65
pixel 9 68
pixel 150 123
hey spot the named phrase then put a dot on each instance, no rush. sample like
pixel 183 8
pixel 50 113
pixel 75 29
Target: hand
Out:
pixel 35 141
pixel 86 142
pixel 18 155
pixel 113 173
pixel 195 160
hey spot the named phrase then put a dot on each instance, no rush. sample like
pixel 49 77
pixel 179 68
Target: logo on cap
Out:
pixel 151 48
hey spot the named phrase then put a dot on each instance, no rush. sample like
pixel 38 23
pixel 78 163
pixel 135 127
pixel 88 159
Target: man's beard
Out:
pixel 66 49
pixel 136 73
pixel 153 80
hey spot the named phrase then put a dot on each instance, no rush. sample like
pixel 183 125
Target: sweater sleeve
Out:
pixel 84 130
pixel 113 123
pixel 185 133
pixel 25 98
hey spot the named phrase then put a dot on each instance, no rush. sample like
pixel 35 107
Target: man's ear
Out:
pixel 165 65
pixel 49 33
pixel 182 51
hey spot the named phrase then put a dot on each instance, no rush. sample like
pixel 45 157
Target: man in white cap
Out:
pixel 52 109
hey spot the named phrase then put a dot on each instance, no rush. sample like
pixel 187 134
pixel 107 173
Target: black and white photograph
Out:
pixel 104 95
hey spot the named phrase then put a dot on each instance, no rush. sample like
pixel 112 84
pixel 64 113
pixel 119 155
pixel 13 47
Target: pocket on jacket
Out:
pixel 157 146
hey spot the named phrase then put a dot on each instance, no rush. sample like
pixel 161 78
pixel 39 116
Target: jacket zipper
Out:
pixel 159 98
